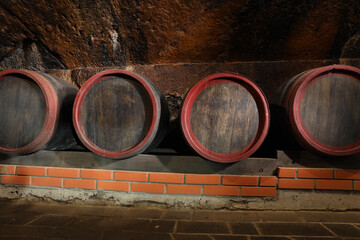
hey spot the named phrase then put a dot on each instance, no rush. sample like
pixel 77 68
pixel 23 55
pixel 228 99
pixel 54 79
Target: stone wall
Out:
pixel 42 34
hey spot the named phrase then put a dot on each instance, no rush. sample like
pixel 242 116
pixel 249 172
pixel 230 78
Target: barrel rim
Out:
pixel 51 115
pixel 139 147
pixel 294 110
pixel 264 118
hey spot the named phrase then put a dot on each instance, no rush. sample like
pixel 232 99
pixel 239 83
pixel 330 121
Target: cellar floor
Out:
pixel 24 220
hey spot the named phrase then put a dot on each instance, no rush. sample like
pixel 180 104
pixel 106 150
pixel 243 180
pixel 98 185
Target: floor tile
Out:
pixel 116 224
pixel 12 207
pixel 135 236
pixel 243 228
pixel 61 209
pixel 177 215
pixel 52 220
pixel 202 227
pixel 345 217
pixel 316 238
pixel 229 237
pixel 268 238
pixel 279 216
pixel 19 238
pixel 203 215
pixel 241 216
pixel 17 219
pixel 293 229
pixel 47 232
pixel 144 213
pixel 84 222
pixel 344 230
pixel 73 233
pixel 165 226
pixel 101 211
pixel 191 237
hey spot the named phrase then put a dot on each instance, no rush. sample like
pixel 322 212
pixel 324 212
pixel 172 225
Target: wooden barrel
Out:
pixel 118 114
pixel 35 112
pixel 322 107
pixel 225 117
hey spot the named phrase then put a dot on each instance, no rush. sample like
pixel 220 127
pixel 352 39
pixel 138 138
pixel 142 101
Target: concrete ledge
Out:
pixel 160 160
pixel 285 200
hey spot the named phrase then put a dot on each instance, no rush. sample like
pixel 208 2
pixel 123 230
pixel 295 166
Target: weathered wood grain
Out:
pixel 64 136
pixel 225 118
pixel 35 112
pixel 322 109
pixel 116 113
pixel 22 111
pixel 330 110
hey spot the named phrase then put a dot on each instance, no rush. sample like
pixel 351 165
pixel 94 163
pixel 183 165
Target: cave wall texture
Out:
pixel 176 43
pixel 72 34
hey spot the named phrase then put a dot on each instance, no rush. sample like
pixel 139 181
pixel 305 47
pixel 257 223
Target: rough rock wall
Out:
pixel 42 34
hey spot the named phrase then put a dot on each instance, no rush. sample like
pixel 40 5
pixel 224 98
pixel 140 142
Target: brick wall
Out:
pixel 145 182
pixel 185 184
pixel 319 179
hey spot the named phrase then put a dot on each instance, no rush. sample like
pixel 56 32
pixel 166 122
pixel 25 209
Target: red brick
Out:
pixel 184 189
pixel 315 173
pixel 357 185
pixel 296 183
pixel 31 171
pixel 221 190
pixel 63 172
pixel 347 174
pixel 96 174
pixel 268 181
pixel 7 169
pixel 286 172
pixel 334 184
pixel 240 180
pixel 148 187
pixel 113 186
pixel 258 191
pixel 78 183
pixel 202 179
pixel 48 182
pixel 20 180
pixel 166 177
pixel 131 176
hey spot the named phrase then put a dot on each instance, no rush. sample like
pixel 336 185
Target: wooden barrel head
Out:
pixel 330 110
pixel 225 117
pixel 116 113
pixel 323 108
pixel 22 111
pixel 28 112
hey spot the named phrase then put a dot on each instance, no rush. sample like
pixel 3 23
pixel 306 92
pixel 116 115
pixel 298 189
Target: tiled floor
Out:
pixel 60 221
